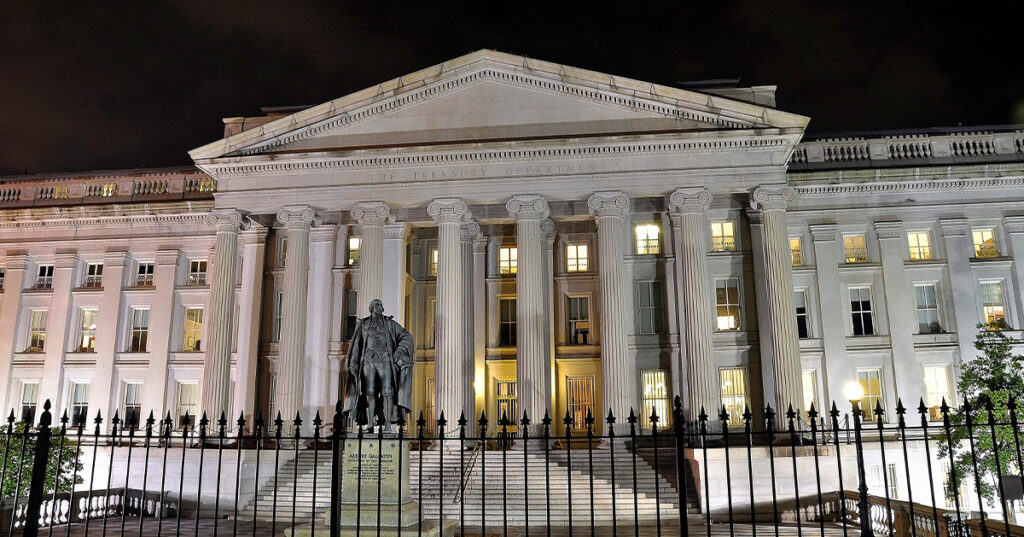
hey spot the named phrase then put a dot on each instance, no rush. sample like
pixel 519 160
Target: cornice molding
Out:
pixel 902 187
pixel 116 258
pixel 953 227
pixel 406 99
pixel 304 162
pixel 168 257
pixel 889 230
pixel 823 232
pixel 106 221
pixel 65 260
pixel 1013 224
pixel 397 231
pixel 16 261
pixel 323 233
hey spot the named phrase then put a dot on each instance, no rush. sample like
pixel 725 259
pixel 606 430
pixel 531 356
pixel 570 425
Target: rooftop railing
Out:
pixel 54 191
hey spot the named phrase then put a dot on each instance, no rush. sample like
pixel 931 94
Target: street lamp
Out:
pixel 854 392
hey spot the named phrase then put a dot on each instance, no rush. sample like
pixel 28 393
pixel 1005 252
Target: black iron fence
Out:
pixel 833 475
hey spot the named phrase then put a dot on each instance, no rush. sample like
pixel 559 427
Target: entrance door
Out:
pixel 579 400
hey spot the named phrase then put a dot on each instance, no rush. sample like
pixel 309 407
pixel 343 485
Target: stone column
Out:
pixel 219 329
pixel 469 232
pixel 254 247
pixel 1014 228
pixel 532 368
pixel 480 297
pixel 292 348
pixel 449 345
pixel 160 322
pixel 108 344
pixel 902 315
pixel 14 281
pixel 396 237
pixel 548 233
pixel 764 335
pixel 317 369
pixel 372 216
pixel 959 251
pixel 835 369
pixel 703 382
pixel 778 273
pixel 57 324
pixel 618 370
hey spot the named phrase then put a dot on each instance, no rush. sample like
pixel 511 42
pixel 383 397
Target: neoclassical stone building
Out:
pixel 558 240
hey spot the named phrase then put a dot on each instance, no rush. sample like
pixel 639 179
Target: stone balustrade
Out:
pixel 911 148
pixel 169 185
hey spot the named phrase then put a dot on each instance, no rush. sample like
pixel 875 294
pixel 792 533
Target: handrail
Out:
pixel 467 472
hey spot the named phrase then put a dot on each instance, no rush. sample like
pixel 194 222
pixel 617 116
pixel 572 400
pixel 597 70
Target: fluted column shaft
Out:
pixel 217 366
pixel 779 283
pixel 372 217
pixel 703 382
pixel 533 376
pixel 469 232
pixel 449 344
pixel 618 370
pixel 292 347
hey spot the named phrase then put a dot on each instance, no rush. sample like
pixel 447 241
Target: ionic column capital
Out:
pixel 396 231
pixel 823 232
pixel 603 204
pixel 65 260
pixel 953 227
pixel 470 230
pixel 372 213
pixel 448 210
pixel 528 207
pixel 227 220
pixel 690 200
pixel 547 229
pixel 298 216
pixel 1013 224
pixel 772 199
pixel 889 230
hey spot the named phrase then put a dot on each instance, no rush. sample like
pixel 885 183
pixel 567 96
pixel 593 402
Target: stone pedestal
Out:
pixel 375 496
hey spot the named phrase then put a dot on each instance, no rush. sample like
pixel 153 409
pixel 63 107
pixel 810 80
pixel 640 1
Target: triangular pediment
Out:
pixel 491 96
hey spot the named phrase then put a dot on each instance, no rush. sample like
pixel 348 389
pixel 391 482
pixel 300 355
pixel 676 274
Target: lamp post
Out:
pixel 854 392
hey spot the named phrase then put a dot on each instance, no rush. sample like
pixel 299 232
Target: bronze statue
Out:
pixel 379 365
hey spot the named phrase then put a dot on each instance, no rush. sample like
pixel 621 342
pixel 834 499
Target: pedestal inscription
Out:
pixel 375 477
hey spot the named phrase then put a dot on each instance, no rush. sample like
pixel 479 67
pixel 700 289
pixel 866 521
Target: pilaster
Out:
pixel 1014 228
pixel 57 325
pixel 835 368
pixel 900 306
pixel 469 232
pixel 703 381
pixel 618 368
pixel 14 282
pixel 532 368
pixel 959 251
pixel 103 393
pixel 480 297
pixel 764 334
pixel 160 322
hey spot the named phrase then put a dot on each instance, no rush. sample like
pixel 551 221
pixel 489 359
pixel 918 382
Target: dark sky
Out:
pixel 89 85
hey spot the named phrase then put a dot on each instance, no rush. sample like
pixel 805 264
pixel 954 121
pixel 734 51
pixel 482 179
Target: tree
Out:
pixel 17 447
pixel 991 385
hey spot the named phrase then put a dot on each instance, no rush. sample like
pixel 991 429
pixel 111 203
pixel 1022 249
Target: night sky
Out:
pixel 88 85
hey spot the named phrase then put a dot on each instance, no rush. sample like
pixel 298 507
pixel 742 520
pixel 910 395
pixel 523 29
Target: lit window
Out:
pixel 795 252
pixel 992 304
pixel 855 249
pixel 649 301
pixel 140 330
pixel 188 397
pixel 507 260
pixel 37 331
pixel 734 393
pixel 579 400
pixel 576 259
pixel 351 315
pixel 648 239
pixel 985 243
pixel 87 330
pixel 94 275
pixel 927 309
pixel 860 309
pixel 871 383
pixel 727 304
pixel 145 275
pixel 433 262
pixel 507 401
pixel 353 250
pixel 507 322
pixel 920 245
pixel 275 334
pixel 3 272
pixel 197 272
pixel 192 340
pixel 132 408
pixel 29 399
pixel 655 397
pixel 431 322
pixel 810 383
pixel 282 249
pixel 722 237
pixel 936 382
pixel 802 320
pixel 79 404
pixel 579 320
pixel 44 280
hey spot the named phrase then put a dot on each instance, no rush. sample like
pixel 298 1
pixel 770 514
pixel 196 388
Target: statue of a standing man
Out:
pixel 379 365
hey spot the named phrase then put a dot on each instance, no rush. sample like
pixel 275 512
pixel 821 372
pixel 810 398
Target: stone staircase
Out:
pixel 492 496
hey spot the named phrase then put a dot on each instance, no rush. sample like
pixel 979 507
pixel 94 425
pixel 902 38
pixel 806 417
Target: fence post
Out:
pixel 38 483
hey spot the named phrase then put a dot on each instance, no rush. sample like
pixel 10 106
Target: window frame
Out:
pixel 723 240
pixel 644 244
pixel 44 277
pixel 868 400
pixel 178 406
pixel 508 260
pixel 657 380
pixel 138 335
pixel 806 314
pixel 796 256
pixel 197 271
pixel 656 308
pixel 729 306
pixel 508 329
pixel 980 250
pixel 850 252
pixel 574 262
pixel 933 308
pixel 355 245
pixel 574 329
pixel 84 331
pixel 79 407
pixel 738 373
pixel 197 345
pixel 918 251
pixel 933 400
pixel 136 406
pixel 145 273
pixel 36 333
pixel 93 276
pixel 867 329
pixel 1002 304
pixel 33 403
